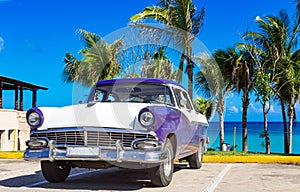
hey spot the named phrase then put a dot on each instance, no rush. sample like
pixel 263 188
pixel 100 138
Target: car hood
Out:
pixel 109 115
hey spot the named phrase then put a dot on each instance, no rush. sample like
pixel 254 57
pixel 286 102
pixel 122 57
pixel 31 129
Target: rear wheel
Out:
pixel 195 160
pixel 162 174
pixel 54 172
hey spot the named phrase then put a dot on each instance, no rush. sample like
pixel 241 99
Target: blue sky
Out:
pixel 35 35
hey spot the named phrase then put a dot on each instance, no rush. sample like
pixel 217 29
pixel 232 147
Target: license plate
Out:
pixel 83 151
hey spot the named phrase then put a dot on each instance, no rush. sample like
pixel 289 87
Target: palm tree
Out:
pixel 237 69
pixel 264 92
pixel 99 60
pixel 181 14
pixel 274 46
pixel 214 81
pixel 291 91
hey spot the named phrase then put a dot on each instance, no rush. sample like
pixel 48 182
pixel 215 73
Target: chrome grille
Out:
pixel 93 138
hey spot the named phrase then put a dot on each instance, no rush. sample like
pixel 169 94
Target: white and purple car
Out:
pixel 132 123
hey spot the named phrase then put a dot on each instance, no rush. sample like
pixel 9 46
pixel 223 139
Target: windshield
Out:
pixel 132 92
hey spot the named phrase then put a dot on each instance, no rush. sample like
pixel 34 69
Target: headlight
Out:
pixel 146 118
pixel 34 118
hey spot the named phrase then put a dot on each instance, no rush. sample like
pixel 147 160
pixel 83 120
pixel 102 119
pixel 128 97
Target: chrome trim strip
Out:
pixel 109 155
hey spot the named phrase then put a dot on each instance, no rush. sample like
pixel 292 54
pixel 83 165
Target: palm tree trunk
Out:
pixel 285 131
pixel 189 69
pixel 291 119
pixel 221 119
pixel 245 101
pixel 180 69
pixel 266 131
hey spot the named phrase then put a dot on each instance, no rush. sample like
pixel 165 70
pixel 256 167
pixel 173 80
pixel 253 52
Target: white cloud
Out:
pixel 255 109
pixel 1 42
pixel 260 109
pixel 233 109
pixel 229 96
pixel 272 110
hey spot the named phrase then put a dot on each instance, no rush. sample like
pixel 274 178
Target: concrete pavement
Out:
pixel 19 175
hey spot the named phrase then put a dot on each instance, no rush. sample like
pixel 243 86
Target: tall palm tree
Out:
pixel 238 71
pixel 99 60
pixel 264 92
pixel 181 14
pixel 291 91
pixel 274 45
pixel 214 81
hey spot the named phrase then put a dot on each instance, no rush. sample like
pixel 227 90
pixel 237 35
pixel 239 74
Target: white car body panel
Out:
pixel 110 115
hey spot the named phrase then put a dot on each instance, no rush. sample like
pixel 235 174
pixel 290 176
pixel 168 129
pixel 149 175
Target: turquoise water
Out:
pixel 254 141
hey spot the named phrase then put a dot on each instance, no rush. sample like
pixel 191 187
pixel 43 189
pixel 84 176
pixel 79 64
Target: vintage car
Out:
pixel 133 123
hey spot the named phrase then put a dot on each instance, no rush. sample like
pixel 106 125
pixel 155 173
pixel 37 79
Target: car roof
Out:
pixel 138 80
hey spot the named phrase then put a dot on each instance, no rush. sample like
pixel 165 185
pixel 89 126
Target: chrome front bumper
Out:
pixel 117 154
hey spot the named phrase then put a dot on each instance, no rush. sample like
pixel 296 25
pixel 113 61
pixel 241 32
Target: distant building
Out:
pixel 14 130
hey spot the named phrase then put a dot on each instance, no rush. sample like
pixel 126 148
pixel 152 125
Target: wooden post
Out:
pixel 21 99
pixel 16 97
pixel 33 98
pixel 234 138
pixel 1 86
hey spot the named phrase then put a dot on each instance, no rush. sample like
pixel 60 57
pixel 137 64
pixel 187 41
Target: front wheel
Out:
pixel 55 171
pixel 162 175
pixel 195 160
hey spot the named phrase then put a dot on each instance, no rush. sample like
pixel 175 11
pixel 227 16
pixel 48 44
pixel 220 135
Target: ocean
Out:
pixel 254 141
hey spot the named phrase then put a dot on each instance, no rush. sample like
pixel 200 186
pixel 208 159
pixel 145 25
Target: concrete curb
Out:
pixel 252 159
pixel 208 158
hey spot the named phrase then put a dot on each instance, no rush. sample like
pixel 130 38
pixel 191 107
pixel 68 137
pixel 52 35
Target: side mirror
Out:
pixel 91 103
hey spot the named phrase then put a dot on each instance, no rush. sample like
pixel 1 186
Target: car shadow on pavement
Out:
pixel 105 179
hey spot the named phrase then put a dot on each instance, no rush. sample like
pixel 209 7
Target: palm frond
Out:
pixel 89 39
pixel 157 13
pixel 72 65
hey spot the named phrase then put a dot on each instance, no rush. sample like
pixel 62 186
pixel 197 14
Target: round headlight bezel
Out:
pixel 34 118
pixel 146 118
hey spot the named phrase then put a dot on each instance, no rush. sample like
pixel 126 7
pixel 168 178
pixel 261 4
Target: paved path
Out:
pixel 19 175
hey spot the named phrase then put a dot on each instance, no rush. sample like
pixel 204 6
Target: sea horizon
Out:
pixel 254 140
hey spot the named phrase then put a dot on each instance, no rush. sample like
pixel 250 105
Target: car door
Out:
pixel 187 125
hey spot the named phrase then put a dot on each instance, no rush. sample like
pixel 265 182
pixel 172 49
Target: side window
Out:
pixel 111 98
pixel 182 99
pixel 98 95
pixel 188 103
pixel 177 96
